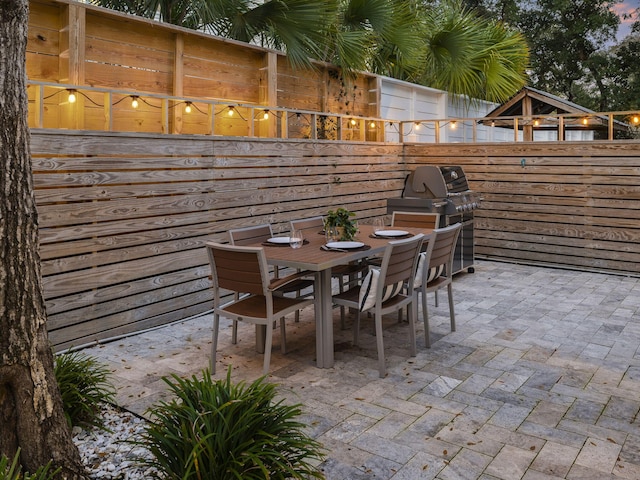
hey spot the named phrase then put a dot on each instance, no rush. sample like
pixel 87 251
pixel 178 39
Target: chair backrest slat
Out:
pixel 310 223
pixel 399 262
pixel 250 235
pixel 415 219
pixel 444 246
pixel 239 269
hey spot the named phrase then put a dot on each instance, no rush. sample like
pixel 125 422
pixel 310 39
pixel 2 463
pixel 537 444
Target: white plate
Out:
pixel 391 233
pixel 279 240
pixel 345 245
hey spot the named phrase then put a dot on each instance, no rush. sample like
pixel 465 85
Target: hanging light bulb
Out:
pixel 536 122
pixel 417 125
pixel 454 124
pixel 372 125
pixel 72 96
pixel 265 115
pixel 134 101
pixel 636 119
pixel 585 121
pixel 353 121
pixel 231 111
pixel 187 108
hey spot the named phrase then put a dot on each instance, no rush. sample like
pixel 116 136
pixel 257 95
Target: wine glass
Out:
pixel 296 239
pixel 378 225
pixel 331 234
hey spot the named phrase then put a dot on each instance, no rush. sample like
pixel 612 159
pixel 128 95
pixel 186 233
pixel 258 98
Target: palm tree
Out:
pixel 467 55
pixel 378 36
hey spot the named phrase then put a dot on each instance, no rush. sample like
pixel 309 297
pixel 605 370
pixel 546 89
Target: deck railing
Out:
pixel 54 105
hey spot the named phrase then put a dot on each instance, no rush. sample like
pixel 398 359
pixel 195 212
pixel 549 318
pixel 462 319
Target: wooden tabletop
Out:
pixel 311 257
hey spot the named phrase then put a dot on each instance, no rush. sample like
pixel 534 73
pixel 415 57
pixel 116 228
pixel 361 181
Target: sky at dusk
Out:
pixel 628 6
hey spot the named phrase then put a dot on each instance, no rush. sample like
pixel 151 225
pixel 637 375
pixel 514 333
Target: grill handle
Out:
pixel 439 204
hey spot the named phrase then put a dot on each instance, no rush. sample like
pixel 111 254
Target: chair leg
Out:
pixel 436 297
pixel 413 313
pixel 356 329
pixel 214 341
pixel 380 342
pixel 267 351
pixel 234 332
pixel 283 336
pixel 342 309
pixel 451 312
pixel 425 316
pixel 234 323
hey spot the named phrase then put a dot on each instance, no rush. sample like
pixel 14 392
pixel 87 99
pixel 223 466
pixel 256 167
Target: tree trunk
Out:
pixel 31 412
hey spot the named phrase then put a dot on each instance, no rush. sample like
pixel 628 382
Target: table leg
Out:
pixel 324 321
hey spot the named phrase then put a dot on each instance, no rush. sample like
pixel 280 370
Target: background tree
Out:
pixel 31 413
pixel 574 52
pixel 625 79
pixel 565 37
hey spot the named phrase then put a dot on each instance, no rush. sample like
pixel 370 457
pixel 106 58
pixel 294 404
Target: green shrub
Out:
pixel 215 430
pixel 84 386
pixel 13 471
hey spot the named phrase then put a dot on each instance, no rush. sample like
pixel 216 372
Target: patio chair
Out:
pixel 244 270
pixel 258 234
pixel 419 220
pixel 351 273
pixel 439 273
pixel 382 292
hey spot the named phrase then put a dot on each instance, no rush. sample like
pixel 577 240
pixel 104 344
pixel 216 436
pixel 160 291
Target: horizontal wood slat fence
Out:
pixel 123 216
pixel 570 204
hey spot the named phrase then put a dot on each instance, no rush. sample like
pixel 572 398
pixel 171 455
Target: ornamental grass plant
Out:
pixel 217 430
pixel 85 387
pixel 13 471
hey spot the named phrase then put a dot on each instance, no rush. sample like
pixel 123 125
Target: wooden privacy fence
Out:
pixel 123 216
pixel 571 204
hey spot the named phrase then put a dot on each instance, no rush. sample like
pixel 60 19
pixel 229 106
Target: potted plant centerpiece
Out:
pixel 341 220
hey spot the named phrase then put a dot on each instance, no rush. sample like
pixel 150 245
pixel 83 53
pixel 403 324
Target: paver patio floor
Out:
pixel 541 380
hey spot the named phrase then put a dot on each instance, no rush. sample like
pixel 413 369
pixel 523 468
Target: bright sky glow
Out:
pixel 628 6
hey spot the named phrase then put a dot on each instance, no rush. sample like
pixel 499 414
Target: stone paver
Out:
pixel 540 381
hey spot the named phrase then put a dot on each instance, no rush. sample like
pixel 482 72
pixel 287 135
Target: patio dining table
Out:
pixel 312 257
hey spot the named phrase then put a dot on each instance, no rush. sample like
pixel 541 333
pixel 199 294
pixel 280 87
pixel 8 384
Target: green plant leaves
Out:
pixel 219 430
pixel 84 386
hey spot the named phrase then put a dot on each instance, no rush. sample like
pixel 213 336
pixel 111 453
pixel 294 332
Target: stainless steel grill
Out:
pixel 442 190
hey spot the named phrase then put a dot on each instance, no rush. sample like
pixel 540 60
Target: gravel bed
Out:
pixel 106 454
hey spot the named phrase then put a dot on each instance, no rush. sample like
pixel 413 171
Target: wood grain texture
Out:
pixel 123 217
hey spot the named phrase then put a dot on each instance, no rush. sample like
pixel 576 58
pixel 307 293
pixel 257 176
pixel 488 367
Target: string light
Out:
pixel 536 122
pixel 417 125
pixel 454 124
pixel 231 111
pixel 72 96
pixel 187 107
pixel 636 119
pixel 134 101
pixel 266 115
pixel 372 125
pixel 353 122
pixel 585 121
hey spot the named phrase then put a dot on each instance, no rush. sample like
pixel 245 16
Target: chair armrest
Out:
pixel 277 283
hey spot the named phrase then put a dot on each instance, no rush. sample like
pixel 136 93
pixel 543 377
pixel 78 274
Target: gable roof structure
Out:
pixel 540 110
